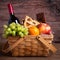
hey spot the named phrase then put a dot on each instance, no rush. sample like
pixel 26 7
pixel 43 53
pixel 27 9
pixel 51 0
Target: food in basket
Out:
pixel 34 43
pixel 44 28
pixel 15 30
pixel 29 22
pixel 33 30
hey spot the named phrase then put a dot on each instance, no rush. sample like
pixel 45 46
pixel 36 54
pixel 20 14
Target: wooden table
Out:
pixel 55 56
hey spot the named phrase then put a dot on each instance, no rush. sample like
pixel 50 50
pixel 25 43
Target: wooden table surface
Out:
pixel 55 56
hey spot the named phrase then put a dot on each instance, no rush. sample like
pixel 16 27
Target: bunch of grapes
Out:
pixel 15 30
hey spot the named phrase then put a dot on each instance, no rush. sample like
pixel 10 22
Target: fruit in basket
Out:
pixel 33 30
pixel 21 34
pixel 5 26
pixel 13 33
pixel 9 29
pixel 44 28
pixel 12 26
pixel 14 29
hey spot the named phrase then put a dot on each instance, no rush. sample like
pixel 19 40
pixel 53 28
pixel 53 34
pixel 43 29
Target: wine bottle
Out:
pixel 13 18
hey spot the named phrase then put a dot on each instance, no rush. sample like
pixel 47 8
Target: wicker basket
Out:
pixel 28 46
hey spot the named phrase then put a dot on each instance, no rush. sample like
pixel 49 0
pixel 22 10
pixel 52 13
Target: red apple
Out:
pixel 44 28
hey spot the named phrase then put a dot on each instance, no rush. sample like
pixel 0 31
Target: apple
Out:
pixel 44 28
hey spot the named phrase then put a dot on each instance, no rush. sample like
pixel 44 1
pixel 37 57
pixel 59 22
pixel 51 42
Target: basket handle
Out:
pixel 50 46
pixel 13 46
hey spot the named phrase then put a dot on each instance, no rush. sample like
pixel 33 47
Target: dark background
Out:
pixel 50 8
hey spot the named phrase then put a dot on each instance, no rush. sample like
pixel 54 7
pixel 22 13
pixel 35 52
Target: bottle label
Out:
pixel 16 21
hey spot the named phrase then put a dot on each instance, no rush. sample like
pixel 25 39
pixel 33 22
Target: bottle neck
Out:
pixel 11 11
pixel 11 15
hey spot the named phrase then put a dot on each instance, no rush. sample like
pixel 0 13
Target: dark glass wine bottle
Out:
pixel 13 18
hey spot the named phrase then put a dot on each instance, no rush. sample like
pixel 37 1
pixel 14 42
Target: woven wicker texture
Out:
pixel 29 46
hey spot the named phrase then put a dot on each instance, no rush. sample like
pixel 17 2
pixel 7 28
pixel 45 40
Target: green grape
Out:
pixel 18 28
pixel 12 25
pixel 15 29
pixel 25 33
pixel 26 30
pixel 18 25
pixel 5 26
pixel 10 32
pixel 8 29
pixel 13 33
pixel 21 34
pixel 22 29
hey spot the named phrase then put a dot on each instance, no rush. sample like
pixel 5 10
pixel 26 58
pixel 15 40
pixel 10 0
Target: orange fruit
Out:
pixel 33 30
